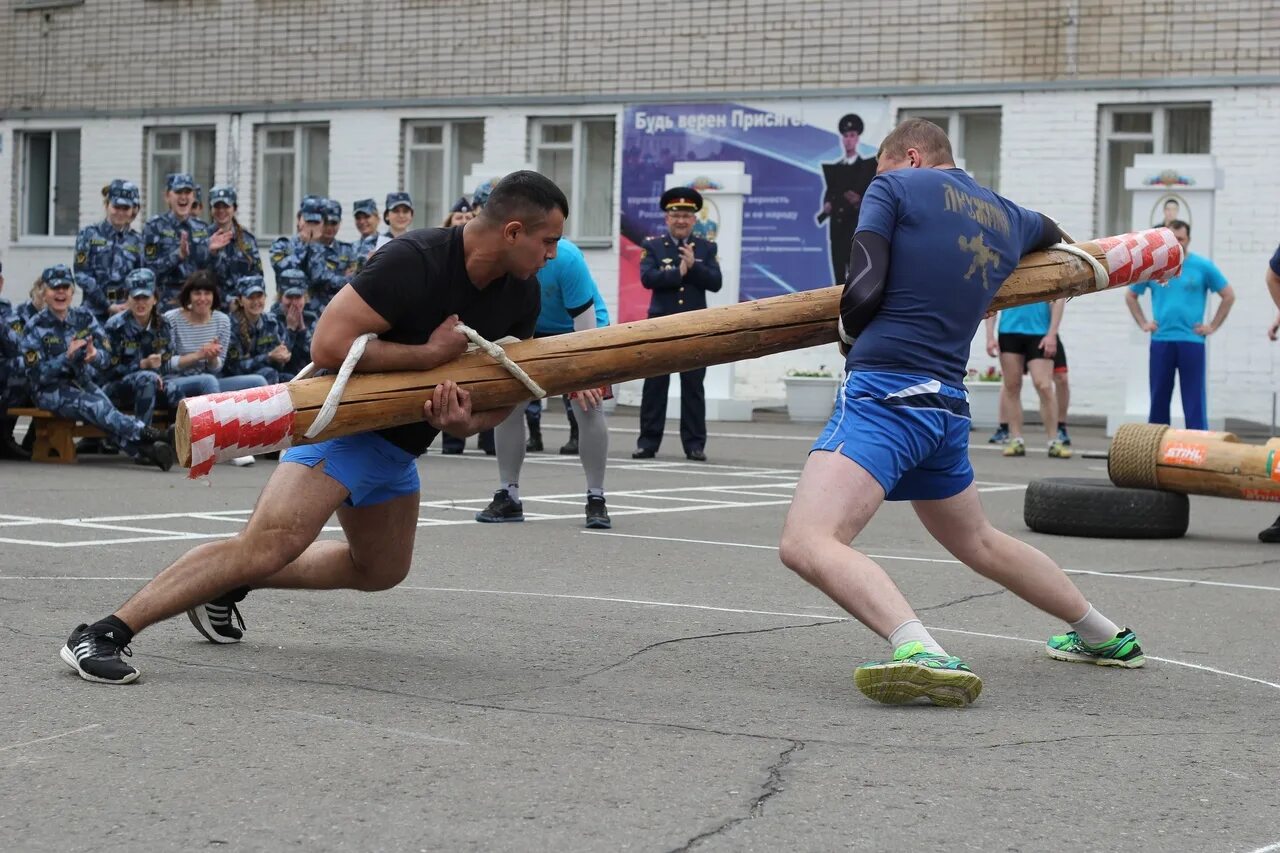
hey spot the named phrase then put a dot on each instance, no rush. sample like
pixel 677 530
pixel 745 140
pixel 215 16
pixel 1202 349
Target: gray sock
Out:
pixel 508 441
pixel 593 445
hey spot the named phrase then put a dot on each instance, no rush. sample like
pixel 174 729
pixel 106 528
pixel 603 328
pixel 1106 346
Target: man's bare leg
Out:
pixel 834 500
pixel 960 525
pixel 1011 364
pixel 289 515
pixel 376 555
pixel 1041 370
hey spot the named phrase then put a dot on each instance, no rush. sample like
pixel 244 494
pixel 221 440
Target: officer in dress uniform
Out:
pixel 174 243
pixel 110 250
pixel 680 269
pixel 141 345
pixel 330 262
pixel 847 179
pixel 296 323
pixel 63 350
pixel 233 249
pixel 292 252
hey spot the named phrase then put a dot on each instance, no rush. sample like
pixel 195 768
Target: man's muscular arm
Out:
pixel 864 288
pixel 349 316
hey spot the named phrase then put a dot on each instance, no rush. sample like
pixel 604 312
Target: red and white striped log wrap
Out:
pixel 238 423
pixel 1151 255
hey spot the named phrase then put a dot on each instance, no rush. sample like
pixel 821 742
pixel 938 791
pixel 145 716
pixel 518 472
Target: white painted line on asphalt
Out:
pixel 758 436
pixel 66 578
pixel 836 618
pixel 386 729
pixel 1268 849
pixel 50 737
pixel 1151 578
pixel 637 601
pixel 1148 657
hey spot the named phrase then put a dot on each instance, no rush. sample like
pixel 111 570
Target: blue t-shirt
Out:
pixel 1179 305
pixel 952 243
pixel 1275 261
pixel 1027 319
pixel 567 283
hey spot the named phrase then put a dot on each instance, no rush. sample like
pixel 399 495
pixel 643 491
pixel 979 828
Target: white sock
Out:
pixel 913 631
pixel 513 489
pixel 1094 628
pixel 595 493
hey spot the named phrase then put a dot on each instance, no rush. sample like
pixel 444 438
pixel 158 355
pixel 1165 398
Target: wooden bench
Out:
pixel 56 436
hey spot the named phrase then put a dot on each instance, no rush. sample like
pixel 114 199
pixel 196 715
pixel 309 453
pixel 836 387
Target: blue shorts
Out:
pixel 909 432
pixel 372 469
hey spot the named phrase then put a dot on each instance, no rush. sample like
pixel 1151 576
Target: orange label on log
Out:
pixel 1179 453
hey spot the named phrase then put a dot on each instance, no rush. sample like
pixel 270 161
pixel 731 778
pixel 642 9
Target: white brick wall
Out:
pixel 1049 161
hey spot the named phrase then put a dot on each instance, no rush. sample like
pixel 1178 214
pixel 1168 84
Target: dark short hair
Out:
pixel 524 196
pixel 200 280
pixel 1178 223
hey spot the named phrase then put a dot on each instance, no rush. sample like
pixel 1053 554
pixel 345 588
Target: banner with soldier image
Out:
pixel 809 162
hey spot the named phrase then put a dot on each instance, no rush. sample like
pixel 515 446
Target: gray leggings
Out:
pixel 593 445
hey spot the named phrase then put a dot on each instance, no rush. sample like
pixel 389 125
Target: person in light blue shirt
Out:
pixel 1178 331
pixel 571 302
pixel 1028 343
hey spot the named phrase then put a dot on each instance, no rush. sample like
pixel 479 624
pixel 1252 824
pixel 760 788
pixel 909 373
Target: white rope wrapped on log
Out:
pixel 1101 276
pixel 499 355
pixel 330 407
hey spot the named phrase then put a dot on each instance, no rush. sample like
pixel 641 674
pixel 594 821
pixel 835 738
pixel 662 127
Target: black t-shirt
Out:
pixel 419 279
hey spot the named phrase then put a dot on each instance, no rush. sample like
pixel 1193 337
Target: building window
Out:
pixel 578 155
pixel 293 162
pixel 975 139
pixel 178 149
pixel 1131 130
pixel 50 202
pixel 438 157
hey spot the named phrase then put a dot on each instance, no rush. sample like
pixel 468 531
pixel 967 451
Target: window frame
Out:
pixel 22 143
pixel 186 153
pixel 1157 137
pixel 300 160
pixel 455 175
pixel 576 144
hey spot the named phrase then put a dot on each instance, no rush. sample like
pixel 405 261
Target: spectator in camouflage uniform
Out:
pixel 175 244
pixel 63 350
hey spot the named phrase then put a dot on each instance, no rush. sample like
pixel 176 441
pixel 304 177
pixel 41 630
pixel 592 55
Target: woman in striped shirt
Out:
pixel 201 335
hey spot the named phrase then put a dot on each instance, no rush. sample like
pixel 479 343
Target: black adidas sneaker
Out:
pixel 214 620
pixel 95 652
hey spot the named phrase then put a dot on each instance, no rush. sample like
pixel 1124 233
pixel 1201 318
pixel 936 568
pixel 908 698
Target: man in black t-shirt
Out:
pixel 411 293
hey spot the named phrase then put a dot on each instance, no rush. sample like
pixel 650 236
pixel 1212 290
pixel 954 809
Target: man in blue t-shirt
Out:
pixel 1272 533
pixel 931 250
pixel 1178 331
pixel 1028 343
pixel 571 302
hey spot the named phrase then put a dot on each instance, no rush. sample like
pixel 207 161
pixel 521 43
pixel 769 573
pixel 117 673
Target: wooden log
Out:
pixel 654 347
pixel 1194 462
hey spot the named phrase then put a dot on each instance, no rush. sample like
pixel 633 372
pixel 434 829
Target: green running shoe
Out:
pixel 913 673
pixel 1121 650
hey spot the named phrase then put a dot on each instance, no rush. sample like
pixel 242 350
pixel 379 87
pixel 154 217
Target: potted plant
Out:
pixel 811 394
pixel 984 396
